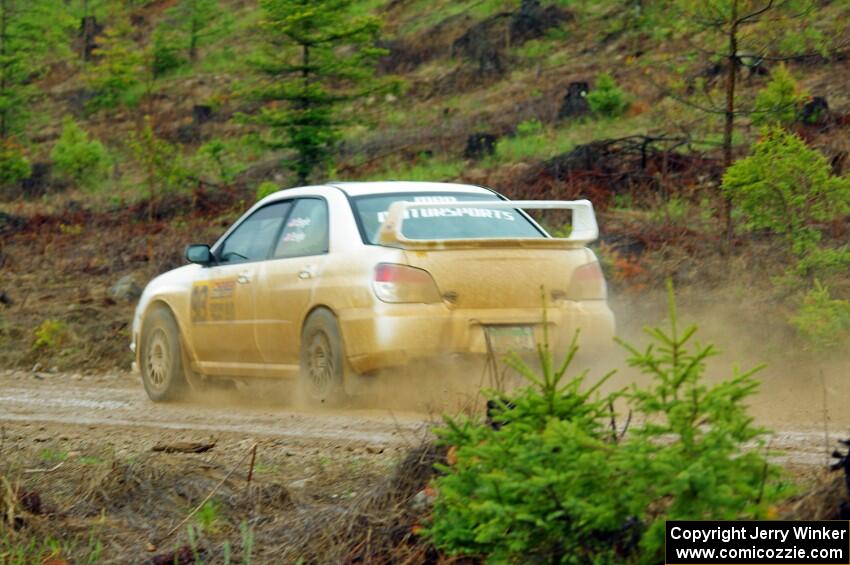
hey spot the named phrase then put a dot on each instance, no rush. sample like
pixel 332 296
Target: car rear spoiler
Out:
pixel 584 227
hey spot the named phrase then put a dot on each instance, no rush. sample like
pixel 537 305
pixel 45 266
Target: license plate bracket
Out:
pixel 507 339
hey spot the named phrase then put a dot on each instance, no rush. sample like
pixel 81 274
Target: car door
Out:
pixel 287 282
pixel 223 296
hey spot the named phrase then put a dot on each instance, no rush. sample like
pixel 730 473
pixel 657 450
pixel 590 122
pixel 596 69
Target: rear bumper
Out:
pixel 397 334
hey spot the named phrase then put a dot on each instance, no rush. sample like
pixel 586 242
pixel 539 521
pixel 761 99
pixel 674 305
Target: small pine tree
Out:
pixel 78 159
pixel 823 321
pixel 779 101
pixel 161 162
pixel 118 67
pixel 787 187
pixel 165 53
pixel 200 21
pixel 607 99
pixel 552 482
pixel 14 165
pixel 184 30
pixel 316 56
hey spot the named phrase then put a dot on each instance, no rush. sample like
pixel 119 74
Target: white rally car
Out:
pixel 324 283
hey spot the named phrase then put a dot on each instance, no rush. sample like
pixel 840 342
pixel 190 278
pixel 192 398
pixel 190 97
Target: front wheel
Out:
pixel 322 359
pixel 162 357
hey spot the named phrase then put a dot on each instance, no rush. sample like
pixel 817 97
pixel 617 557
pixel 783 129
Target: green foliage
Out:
pixel 529 127
pixel 30 30
pixel 729 28
pixel 779 101
pixel 779 28
pixel 522 148
pixel 166 53
pixel 671 211
pixel 217 156
pixel 52 456
pixel 208 517
pixel 556 484
pixel 79 159
pixel 18 549
pixel 14 165
pixel 266 188
pixel 786 187
pixel 706 468
pixel 824 263
pixel 607 99
pixel 823 322
pixel 633 17
pixel 50 334
pixel 247 542
pixel 161 162
pixel 118 67
pixel 529 142
pixel 424 169
pixel 315 56
pixel 185 29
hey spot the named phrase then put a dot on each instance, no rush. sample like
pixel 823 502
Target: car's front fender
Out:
pixel 173 290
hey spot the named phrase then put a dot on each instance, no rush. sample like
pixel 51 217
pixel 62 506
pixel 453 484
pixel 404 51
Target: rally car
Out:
pixel 325 284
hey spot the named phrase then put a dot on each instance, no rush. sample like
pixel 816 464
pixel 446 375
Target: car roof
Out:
pixel 390 187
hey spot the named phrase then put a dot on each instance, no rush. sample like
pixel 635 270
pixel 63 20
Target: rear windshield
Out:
pixel 444 222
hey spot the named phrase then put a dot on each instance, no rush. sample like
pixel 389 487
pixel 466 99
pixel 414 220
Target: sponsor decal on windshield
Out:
pixel 296 236
pixel 422 213
pixel 299 223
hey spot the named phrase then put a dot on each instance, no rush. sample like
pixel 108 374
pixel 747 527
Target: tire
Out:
pixel 322 374
pixel 161 358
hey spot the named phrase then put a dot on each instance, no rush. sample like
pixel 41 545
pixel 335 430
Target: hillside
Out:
pixel 492 92
pixel 712 138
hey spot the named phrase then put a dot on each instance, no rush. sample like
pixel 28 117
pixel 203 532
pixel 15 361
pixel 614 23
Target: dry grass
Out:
pixel 123 510
pixel 375 527
pixel 820 497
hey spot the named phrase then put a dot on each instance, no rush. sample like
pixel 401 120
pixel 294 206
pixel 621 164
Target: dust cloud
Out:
pixel 799 391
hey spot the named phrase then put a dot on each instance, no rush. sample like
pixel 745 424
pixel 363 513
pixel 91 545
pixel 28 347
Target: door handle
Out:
pixel 244 278
pixel 307 272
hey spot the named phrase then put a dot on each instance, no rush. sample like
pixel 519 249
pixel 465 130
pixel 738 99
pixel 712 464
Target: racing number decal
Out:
pixel 200 294
pixel 214 301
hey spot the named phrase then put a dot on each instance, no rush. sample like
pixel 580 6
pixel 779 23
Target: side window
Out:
pixel 306 230
pixel 254 237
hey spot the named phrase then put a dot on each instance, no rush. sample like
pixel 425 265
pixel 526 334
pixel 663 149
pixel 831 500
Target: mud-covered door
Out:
pixel 287 282
pixel 223 304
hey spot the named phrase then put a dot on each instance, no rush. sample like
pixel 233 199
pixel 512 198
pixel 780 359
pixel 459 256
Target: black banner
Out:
pixel 758 542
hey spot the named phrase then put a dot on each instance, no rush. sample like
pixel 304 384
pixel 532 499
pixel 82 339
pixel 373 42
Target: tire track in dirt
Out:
pixel 118 401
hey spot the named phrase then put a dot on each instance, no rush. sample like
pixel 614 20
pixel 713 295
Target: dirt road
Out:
pixel 117 401
pixel 115 405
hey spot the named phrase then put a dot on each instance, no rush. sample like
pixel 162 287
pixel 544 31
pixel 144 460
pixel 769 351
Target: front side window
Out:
pixel 306 230
pixel 252 240
pixel 444 222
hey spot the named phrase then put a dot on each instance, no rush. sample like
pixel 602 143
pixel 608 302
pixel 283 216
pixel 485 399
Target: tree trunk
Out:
pixel 85 30
pixel 304 166
pixel 729 125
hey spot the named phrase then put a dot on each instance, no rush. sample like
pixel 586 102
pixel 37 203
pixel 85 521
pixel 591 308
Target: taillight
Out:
pixel 588 283
pixel 400 283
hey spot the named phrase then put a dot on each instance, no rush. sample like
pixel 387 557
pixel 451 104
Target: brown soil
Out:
pixel 82 447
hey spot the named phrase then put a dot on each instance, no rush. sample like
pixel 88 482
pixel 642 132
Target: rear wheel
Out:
pixel 322 359
pixel 162 357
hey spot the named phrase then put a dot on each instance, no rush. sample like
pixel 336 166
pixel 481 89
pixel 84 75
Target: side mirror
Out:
pixel 199 253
